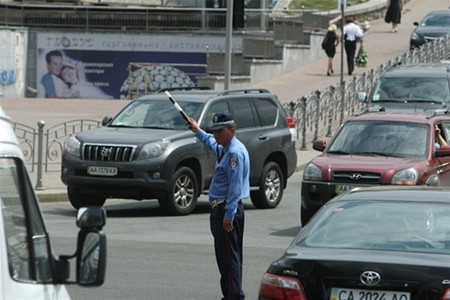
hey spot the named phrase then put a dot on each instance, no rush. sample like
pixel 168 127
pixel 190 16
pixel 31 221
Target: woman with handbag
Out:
pixel 330 41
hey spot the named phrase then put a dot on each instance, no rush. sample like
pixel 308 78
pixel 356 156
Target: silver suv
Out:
pixel 147 152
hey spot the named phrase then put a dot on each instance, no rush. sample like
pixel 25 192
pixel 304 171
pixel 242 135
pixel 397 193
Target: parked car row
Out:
pixel 375 205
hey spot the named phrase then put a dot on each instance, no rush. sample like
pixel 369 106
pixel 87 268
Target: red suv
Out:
pixel 379 148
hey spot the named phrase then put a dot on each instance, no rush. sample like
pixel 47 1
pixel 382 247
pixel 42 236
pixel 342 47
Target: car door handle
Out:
pixel 263 137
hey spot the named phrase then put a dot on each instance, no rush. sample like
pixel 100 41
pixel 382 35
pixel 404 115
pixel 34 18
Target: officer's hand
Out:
pixel 228 225
pixel 193 126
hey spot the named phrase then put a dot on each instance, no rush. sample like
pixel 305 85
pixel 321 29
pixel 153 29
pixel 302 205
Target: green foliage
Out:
pixel 320 4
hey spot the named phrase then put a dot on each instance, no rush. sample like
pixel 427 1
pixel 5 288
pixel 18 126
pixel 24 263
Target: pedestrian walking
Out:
pixel 330 41
pixel 394 13
pixel 229 187
pixel 352 35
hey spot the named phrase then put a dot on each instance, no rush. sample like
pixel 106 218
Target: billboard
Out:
pixel 119 66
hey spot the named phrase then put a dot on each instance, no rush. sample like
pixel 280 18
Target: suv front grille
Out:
pixel 114 153
pixel 356 177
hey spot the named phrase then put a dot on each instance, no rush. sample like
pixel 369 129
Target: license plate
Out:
pixel 340 188
pixel 355 294
pixel 101 171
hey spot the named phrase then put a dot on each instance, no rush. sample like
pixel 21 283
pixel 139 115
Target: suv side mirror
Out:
pixel 443 151
pixel 319 145
pixel 106 120
pixel 416 23
pixel 361 96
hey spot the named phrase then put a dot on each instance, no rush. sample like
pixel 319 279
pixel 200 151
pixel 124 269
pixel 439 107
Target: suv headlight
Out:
pixel 73 146
pixel 405 177
pixel 312 172
pixel 154 149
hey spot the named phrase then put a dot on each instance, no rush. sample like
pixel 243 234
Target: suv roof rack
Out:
pixel 183 88
pixel 371 109
pixel 244 91
pixel 438 112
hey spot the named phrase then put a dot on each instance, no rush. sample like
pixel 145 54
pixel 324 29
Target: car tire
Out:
pixel 79 199
pixel 270 188
pixel 182 197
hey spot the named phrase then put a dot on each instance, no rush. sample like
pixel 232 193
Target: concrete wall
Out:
pixel 13 62
pixel 294 56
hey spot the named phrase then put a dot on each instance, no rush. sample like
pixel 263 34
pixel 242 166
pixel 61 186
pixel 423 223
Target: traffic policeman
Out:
pixel 229 186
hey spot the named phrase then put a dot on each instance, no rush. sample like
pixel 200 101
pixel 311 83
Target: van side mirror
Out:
pixel 91 258
pixel 91 217
pixel 361 96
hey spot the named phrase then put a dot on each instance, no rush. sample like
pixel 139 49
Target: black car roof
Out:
pixel 398 193
pixel 437 13
pixel 419 70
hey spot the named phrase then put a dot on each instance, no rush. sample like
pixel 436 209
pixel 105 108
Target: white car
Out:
pixel 28 269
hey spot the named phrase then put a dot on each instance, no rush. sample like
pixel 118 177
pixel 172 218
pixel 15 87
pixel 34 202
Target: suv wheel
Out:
pixel 182 196
pixel 270 189
pixel 78 199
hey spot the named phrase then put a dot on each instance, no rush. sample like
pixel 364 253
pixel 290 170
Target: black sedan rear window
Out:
pixel 383 225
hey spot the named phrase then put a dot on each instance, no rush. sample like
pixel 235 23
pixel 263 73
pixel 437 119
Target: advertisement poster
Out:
pixel 117 66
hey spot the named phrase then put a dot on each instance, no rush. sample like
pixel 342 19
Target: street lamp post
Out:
pixel 343 3
pixel 228 44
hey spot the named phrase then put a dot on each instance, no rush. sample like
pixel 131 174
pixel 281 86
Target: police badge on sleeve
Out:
pixel 233 163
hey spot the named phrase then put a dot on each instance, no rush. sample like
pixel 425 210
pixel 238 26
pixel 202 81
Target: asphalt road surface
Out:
pixel 152 256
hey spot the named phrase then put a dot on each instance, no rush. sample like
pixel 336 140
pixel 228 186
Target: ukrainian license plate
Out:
pixel 355 294
pixel 101 171
pixel 342 188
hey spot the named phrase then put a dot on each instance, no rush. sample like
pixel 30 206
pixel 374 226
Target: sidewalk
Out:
pixel 380 43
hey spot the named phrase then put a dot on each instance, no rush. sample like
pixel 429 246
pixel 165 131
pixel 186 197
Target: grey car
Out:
pixel 147 152
pixel 411 87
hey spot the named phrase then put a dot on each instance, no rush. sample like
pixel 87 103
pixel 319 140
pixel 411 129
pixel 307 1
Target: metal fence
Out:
pixel 318 114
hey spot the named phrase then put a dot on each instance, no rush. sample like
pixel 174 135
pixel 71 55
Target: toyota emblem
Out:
pixel 370 278
pixel 106 152
pixel 356 176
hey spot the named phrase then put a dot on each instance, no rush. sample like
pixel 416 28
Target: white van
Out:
pixel 28 269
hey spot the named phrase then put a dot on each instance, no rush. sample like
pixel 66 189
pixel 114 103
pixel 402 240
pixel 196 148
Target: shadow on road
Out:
pixel 288 232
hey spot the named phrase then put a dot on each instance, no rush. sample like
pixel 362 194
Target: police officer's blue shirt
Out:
pixel 231 180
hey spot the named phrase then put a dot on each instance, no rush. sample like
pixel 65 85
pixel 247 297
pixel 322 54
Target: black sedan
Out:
pixel 432 27
pixel 375 243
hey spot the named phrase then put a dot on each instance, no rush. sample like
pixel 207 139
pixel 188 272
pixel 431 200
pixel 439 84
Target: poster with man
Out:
pixel 117 66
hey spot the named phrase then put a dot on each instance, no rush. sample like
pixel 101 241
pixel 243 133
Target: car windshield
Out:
pixel 412 88
pixel 439 21
pixel 382 225
pixel 159 114
pixel 386 138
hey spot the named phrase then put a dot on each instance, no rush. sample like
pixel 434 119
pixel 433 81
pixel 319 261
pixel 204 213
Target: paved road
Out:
pixel 152 256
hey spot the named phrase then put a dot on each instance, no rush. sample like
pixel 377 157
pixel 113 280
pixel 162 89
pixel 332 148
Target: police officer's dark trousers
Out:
pixel 228 249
